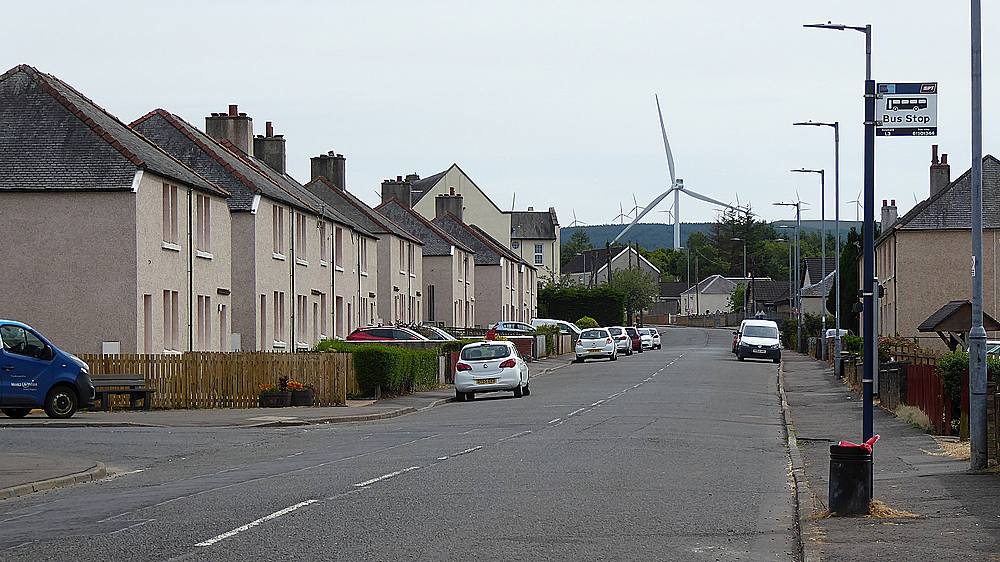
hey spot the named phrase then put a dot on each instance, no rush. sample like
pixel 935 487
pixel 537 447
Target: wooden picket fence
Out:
pixel 229 380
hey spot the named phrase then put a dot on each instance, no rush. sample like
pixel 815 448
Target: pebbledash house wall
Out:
pixel 477 208
pixel 922 270
pixel 489 293
pixel 69 266
pixel 161 269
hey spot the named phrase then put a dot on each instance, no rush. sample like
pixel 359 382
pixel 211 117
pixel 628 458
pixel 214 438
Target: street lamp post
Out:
pixel 798 260
pixel 868 275
pixel 836 201
pixel 977 334
pixel 822 235
pixel 744 272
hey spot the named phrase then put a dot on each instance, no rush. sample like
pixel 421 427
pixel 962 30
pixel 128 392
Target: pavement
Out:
pixel 954 512
pixel 27 473
pixel 676 454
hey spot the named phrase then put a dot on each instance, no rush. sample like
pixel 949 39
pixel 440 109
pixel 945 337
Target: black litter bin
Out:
pixel 850 480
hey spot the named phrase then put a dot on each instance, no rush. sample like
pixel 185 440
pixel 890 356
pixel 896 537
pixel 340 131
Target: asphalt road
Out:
pixel 669 455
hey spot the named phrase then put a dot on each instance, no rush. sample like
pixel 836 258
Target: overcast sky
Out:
pixel 552 101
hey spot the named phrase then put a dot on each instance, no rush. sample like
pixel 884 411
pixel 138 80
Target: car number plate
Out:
pixel 594 350
pixel 760 351
pixel 486 381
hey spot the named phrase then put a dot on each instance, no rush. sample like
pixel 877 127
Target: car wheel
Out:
pixel 61 403
pixel 527 391
pixel 739 356
pixel 614 357
pixel 16 413
pixel 640 350
pixel 518 391
pixel 459 396
pixel 778 360
pixel 470 396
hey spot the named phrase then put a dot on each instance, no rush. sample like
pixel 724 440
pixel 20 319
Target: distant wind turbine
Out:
pixel 676 187
pixel 857 207
pixel 576 222
pixel 621 214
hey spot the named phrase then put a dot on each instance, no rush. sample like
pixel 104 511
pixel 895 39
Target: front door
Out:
pixel 24 361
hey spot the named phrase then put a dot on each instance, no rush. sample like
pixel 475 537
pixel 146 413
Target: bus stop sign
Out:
pixel 907 109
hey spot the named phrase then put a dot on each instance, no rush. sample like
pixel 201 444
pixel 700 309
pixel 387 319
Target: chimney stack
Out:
pixel 889 214
pixel 270 148
pixel 331 166
pixel 450 203
pixel 233 126
pixel 398 189
pixel 940 171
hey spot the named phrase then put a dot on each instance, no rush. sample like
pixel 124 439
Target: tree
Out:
pixel 639 289
pixel 736 298
pixel 578 243
pixel 850 253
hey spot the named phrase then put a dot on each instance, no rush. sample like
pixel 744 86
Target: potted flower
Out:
pixel 275 396
pixel 302 394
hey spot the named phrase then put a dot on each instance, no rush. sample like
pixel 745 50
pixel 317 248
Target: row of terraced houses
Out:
pixel 158 236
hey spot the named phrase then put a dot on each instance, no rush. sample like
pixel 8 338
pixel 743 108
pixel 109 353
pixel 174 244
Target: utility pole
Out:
pixel 977 334
pixel 697 298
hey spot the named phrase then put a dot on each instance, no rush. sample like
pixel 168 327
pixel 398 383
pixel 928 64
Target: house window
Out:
pixel 302 324
pixel 338 320
pixel 430 303
pixel 338 248
pixel 205 318
pixel 203 234
pixel 170 214
pixel 171 321
pixel 409 259
pixel 316 318
pixel 147 323
pixel 323 257
pixel 363 265
pixel 538 254
pixel 263 320
pixel 402 255
pixel 322 315
pixel 278 231
pixel 300 236
pixel 278 322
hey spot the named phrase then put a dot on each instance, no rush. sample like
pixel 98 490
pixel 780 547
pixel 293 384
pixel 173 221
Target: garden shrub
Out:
pixel 550 331
pixel 586 322
pixel 394 370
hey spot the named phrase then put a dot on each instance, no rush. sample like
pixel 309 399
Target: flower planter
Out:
pixel 275 399
pixel 303 397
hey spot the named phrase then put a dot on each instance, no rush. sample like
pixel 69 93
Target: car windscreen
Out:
pixel 645 332
pixel 428 333
pixel 631 332
pixel 760 332
pixel 593 334
pixel 485 352
pixel 615 331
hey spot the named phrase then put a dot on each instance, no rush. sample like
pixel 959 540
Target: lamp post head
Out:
pixel 807 171
pixel 838 26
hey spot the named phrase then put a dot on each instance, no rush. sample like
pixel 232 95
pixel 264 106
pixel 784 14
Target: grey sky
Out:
pixel 551 100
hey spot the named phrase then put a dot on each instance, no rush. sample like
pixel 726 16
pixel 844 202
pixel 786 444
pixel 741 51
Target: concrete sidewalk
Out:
pixel 355 411
pixel 26 473
pixel 956 512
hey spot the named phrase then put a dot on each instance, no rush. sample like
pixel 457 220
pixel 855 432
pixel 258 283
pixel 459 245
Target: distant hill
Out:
pixel 660 235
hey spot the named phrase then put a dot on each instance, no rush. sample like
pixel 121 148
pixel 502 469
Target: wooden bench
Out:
pixel 131 385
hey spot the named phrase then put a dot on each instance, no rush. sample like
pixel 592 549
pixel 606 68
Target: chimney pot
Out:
pixel 531 208
pixel 448 204
pixel 934 154
pixel 268 129
pixel 233 110
pixel 892 203
pixel 885 202
pixel 944 159
pixel 451 190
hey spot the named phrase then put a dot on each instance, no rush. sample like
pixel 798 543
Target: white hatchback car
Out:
pixel 596 342
pixel 646 337
pixel 622 339
pixel 490 366
pixel 654 337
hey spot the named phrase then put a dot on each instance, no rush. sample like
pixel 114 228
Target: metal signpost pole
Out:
pixel 871 345
pixel 836 276
pixel 977 334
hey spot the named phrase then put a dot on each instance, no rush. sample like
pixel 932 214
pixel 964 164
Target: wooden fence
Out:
pixel 925 390
pixel 229 380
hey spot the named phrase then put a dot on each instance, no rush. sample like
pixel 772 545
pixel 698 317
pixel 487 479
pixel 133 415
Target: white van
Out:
pixel 564 326
pixel 759 339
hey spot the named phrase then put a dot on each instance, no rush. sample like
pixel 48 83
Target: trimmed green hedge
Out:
pixel 395 370
pixel 586 322
pixel 569 302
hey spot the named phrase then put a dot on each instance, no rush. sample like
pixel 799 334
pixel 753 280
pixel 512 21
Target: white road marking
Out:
pixel 555 420
pixel 613 396
pixel 253 524
pixel 577 411
pixel 514 436
pixel 294 454
pixel 384 477
pixel 597 403
pixel 442 458
pixel 133 526
pixel 467 451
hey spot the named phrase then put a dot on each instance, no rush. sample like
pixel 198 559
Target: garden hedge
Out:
pixel 394 370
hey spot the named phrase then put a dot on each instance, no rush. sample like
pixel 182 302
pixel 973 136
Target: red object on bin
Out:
pixel 867 445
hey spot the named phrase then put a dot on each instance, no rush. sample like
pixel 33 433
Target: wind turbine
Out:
pixel 635 210
pixel 576 222
pixel 857 207
pixel 621 214
pixel 676 187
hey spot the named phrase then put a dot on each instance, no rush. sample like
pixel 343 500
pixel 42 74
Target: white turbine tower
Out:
pixel 676 187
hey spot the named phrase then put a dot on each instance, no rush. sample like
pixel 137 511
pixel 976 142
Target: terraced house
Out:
pixel 297 263
pixel 105 230
pixel 400 255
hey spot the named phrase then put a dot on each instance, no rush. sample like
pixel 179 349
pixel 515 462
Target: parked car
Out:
pixel 622 340
pixel 34 373
pixel 645 338
pixel 993 347
pixel 514 329
pixel 654 337
pixel 564 326
pixel 433 333
pixel 384 333
pixel 596 342
pixel 490 366
pixel 759 340
pixel 636 340
pixel 736 334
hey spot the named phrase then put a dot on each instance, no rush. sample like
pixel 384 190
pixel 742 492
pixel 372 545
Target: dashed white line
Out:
pixel 555 420
pixel 574 412
pixel 254 523
pixel 516 435
pixel 597 403
pixel 385 477
pixel 467 451
pixel 613 396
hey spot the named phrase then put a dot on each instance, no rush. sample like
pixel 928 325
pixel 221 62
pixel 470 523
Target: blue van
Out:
pixel 36 374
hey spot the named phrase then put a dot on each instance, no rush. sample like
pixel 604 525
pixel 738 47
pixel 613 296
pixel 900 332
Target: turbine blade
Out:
pixel 644 212
pixel 666 144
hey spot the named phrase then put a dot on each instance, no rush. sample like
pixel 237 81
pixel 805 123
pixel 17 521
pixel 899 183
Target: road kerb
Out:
pixel 96 472
pixel 809 552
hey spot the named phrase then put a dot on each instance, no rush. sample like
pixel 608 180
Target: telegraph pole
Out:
pixel 977 334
